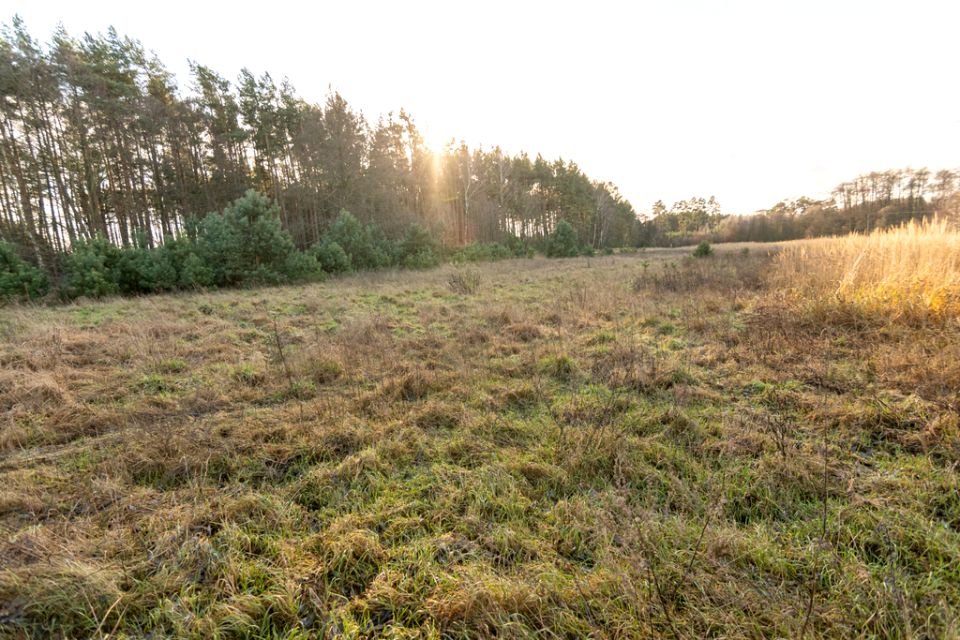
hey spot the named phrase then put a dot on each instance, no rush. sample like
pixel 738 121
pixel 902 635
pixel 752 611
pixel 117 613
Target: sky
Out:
pixel 751 102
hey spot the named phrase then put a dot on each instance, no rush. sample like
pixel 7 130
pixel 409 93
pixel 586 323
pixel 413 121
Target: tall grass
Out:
pixel 910 272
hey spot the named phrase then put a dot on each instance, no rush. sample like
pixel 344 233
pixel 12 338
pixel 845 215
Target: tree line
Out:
pixel 97 140
pixel 869 201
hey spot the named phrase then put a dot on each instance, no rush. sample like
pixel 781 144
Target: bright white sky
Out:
pixel 748 101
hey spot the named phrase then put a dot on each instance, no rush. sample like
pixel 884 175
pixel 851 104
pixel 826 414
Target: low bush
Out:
pixel 144 270
pixel 482 252
pixel 518 247
pixel 510 247
pixel 464 282
pixel 331 256
pixel 19 280
pixel 366 246
pixel 245 244
pixel 418 249
pixel 563 241
pixel 92 268
pixel 703 250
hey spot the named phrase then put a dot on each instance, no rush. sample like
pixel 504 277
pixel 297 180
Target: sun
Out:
pixel 436 145
pixel 435 141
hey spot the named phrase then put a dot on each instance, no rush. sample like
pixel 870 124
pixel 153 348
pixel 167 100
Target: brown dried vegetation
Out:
pixel 603 448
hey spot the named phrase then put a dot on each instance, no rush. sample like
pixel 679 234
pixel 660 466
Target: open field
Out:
pixel 617 447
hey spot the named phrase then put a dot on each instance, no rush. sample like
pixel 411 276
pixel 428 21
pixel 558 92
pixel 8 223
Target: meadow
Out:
pixel 758 443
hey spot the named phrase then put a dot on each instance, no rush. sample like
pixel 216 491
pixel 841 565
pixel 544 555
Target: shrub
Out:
pixel 243 244
pixel 464 282
pixel 213 237
pixel 517 247
pixel 510 247
pixel 416 240
pixel 18 278
pixel 418 249
pixel 384 253
pixel 563 242
pixel 98 268
pixel 703 250
pixel 92 268
pixel 300 266
pixel 482 252
pixel 331 256
pixel 144 270
pixel 246 243
pixel 366 246
pixel 195 273
pixel 422 260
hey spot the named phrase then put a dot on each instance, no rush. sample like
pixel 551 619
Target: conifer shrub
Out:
pixel 243 244
pixel 331 257
pixel 246 243
pixel 563 241
pixel 141 269
pixel 195 273
pixel 703 250
pixel 518 247
pixel 366 246
pixel 421 260
pixel 92 268
pixel 19 280
pixel 418 249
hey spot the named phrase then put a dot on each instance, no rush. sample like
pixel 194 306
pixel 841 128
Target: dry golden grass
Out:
pixel 910 272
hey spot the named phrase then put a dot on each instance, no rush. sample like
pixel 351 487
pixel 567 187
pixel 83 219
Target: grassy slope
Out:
pixel 604 447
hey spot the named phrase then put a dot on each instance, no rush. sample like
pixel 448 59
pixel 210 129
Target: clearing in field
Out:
pixel 620 447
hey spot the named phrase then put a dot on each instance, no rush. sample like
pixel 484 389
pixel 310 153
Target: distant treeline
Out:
pixel 97 141
pixel 870 201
